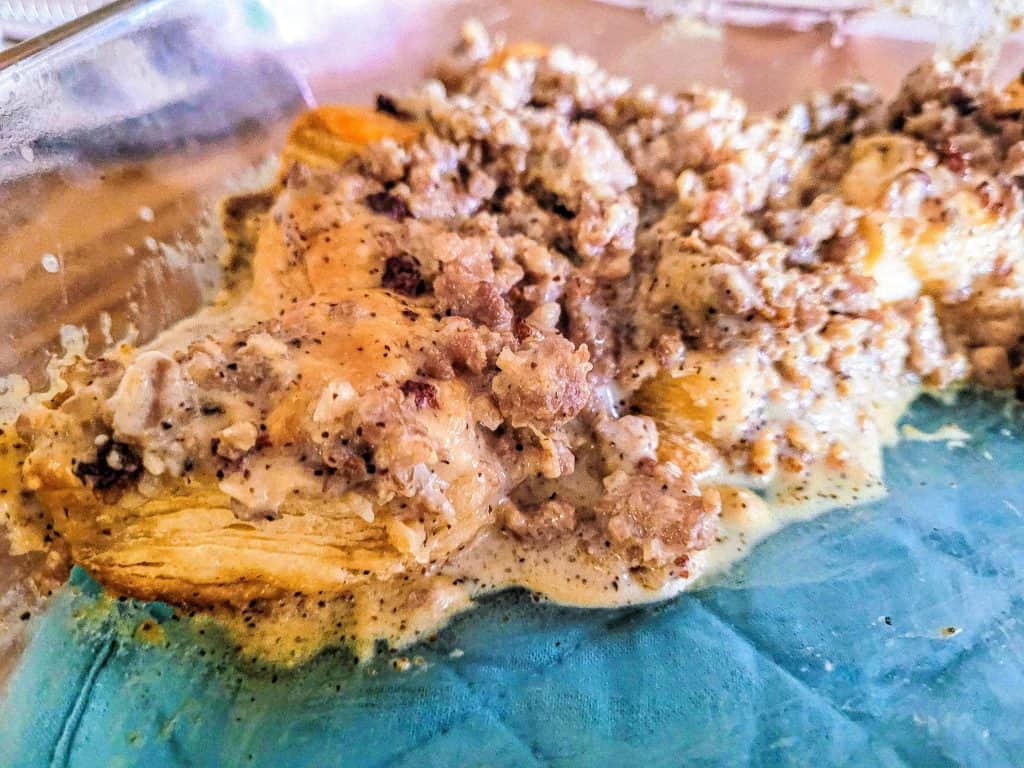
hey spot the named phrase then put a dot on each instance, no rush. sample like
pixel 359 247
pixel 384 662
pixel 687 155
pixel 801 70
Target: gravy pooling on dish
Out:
pixel 531 325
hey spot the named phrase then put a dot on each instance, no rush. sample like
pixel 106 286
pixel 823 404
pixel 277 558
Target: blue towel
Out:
pixel 886 635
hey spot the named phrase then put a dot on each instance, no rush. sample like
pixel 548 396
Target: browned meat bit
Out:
pixel 937 84
pixel 849 110
pixel 808 229
pixel 351 462
pixel 586 176
pixel 257 364
pixel 388 204
pixel 574 85
pixel 608 230
pixel 387 105
pixel 954 155
pixel 970 127
pixel 547 522
pixel 433 188
pixel 459 346
pixel 241 216
pixel 656 516
pixel 402 275
pixel 590 322
pixel 117 465
pixel 521 329
pixel 542 385
pixel 423 393
pixel 479 300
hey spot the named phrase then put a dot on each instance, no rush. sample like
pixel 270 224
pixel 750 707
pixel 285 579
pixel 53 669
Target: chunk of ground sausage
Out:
pixel 547 522
pixel 542 385
pixel 459 347
pixel 477 300
pixel 657 516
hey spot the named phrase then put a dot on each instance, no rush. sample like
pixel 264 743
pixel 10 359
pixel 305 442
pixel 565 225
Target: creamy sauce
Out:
pixel 564 572
pixel 947 433
pixel 561 573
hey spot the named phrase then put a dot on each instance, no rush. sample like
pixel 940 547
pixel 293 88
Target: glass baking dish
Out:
pixel 120 132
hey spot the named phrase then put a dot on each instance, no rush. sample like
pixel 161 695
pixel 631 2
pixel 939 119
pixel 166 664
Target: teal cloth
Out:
pixel 828 646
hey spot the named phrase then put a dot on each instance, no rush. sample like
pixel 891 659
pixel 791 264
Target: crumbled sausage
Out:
pixel 657 515
pixel 550 520
pixel 117 465
pixel 388 204
pixel 422 393
pixel 479 300
pixel 402 275
pixel 543 384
